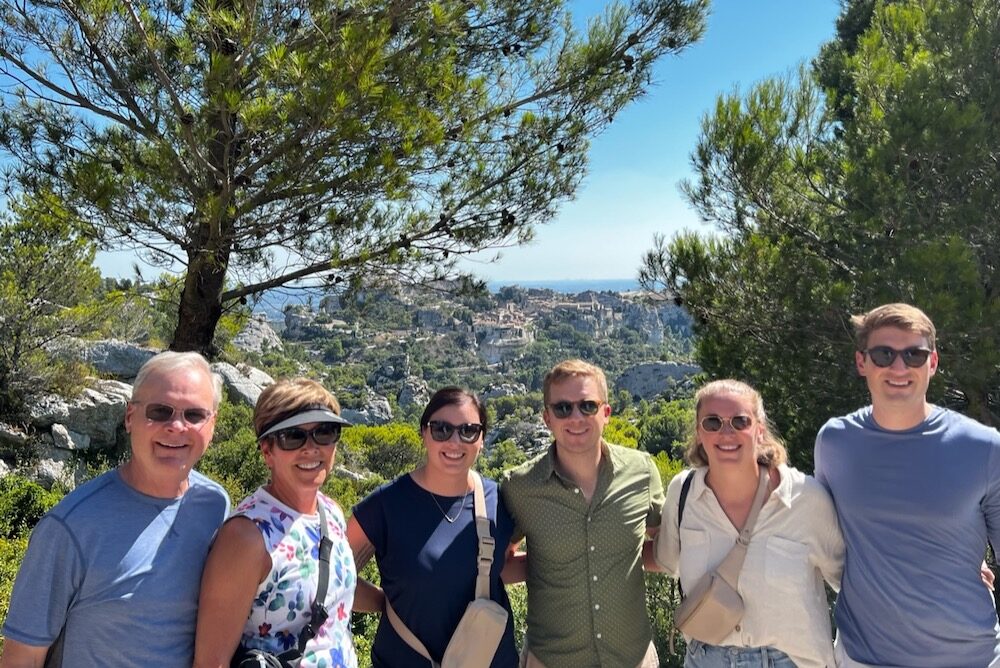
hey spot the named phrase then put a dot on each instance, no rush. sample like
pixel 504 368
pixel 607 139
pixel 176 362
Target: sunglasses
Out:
pixel 563 409
pixel 883 356
pixel 442 431
pixel 293 438
pixel 716 423
pixel 165 413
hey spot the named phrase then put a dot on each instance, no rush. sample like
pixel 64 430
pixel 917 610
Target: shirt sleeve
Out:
pixel 828 554
pixel 46 586
pixel 991 502
pixel 655 495
pixel 370 514
pixel 509 503
pixel 667 549
pixel 818 461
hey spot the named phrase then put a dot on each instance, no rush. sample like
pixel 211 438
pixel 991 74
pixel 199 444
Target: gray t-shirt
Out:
pixel 117 573
pixel 916 508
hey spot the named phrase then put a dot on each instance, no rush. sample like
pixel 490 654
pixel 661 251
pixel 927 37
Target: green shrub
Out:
pixel 233 459
pixel 22 504
pixel 11 553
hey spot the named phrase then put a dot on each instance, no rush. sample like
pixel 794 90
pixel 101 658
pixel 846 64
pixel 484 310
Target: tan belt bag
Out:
pixel 711 610
pixel 478 634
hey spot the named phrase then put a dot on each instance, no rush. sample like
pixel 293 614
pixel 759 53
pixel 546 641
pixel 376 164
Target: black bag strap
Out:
pixel 319 612
pixel 685 488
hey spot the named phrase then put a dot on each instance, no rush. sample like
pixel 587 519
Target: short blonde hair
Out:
pixel 771 450
pixel 287 397
pixel 900 316
pixel 574 368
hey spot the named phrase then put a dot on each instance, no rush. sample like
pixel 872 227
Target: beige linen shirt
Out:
pixel 795 545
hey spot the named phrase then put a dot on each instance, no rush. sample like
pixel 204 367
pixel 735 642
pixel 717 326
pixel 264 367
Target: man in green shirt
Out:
pixel 585 508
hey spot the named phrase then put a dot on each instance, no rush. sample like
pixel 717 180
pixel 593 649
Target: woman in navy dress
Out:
pixel 421 530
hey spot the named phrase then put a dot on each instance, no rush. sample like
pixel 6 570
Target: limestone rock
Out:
pixel 503 390
pixel 98 412
pixel 258 336
pixel 243 383
pixel 650 379
pixel 414 392
pixel 374 410
pixel 65 439
pixel 12 437
pixel 115 358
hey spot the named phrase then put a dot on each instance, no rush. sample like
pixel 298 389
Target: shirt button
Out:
pixel 598 636
pixel 597 606
pixel 576 491
pixel 591 548
pixel 738 627
pixel 595 578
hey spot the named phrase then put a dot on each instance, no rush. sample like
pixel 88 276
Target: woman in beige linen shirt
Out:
pixel 795 545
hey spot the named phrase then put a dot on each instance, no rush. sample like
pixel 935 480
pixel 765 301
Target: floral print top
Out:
pixel 281 607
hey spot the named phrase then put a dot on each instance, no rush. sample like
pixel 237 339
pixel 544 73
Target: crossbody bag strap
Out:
pixel 685 490
pixel 487 544
pixel 731 566
pixel 406 634
pixel 319 611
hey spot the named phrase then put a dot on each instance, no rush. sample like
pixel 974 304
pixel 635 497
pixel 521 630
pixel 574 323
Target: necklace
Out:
pixel 450 520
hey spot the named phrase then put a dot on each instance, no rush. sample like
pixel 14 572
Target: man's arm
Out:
pixel 18 655
pixel 515 565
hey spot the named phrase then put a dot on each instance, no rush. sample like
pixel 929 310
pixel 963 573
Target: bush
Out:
pixel 11 553
pixel 233 459
pixel 22 504
pixel 386 450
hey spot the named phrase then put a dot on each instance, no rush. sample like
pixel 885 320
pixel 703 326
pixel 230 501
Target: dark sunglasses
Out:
pixel 716 422
pixel 442 431
pixel 563 409
pixel 883 356
pixel 293 438
pixel 165 413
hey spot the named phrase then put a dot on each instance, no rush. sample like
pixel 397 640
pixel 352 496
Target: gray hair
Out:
pixel 172 361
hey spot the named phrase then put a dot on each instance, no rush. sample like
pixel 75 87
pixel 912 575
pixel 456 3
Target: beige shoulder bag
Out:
pixel 714 607
pixel 481 628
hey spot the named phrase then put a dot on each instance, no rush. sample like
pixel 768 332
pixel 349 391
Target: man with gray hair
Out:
pixel 112 573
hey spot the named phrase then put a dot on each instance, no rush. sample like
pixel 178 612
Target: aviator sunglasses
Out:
pixel 563 409
pixel 442 431
pixel 293 438
pixel 884 356
pixel 716 423
pixel 165 413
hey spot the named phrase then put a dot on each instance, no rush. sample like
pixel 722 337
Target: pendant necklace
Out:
pixel 450 520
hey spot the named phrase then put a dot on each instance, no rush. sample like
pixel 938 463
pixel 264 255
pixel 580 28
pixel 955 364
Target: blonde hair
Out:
pixel 287 397
pixel 901 316
pixel 574 368
pixel 770 451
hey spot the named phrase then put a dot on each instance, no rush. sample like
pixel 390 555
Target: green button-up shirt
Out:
pixel 586 592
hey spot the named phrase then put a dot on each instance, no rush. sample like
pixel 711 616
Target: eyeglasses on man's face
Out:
pixel 157 412
pixel 564 409
pixel 883 356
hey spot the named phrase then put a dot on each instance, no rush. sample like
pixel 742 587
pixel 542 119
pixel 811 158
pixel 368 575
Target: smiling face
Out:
pixel 899 392
pixel 163 453
pixel 577 434
pixel 453 458
pixel 730 447
pixel 300 472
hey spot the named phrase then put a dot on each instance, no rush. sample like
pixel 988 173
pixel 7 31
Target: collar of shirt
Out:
pixel 783 492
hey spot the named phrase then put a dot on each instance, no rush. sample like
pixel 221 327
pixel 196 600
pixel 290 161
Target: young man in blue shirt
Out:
pixel 917 490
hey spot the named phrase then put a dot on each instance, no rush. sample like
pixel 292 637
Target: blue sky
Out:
pixel 631 191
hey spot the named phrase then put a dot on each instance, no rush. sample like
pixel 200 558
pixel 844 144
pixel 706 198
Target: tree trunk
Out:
pixel 201 303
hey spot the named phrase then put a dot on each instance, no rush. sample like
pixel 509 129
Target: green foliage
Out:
pixel 22 504
pixel 11 553
pixel 667 429
pixel 46 287
pixel 234 458
pixel 211 135
pixel 502 456
pixel 621 432
pixel 881 186
pixel 386 450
